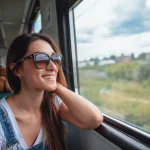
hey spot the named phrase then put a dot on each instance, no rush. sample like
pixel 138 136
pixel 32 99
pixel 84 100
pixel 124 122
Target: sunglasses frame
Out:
pixel 34 56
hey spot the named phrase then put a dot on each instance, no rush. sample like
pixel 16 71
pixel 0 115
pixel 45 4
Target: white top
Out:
pixel 22 145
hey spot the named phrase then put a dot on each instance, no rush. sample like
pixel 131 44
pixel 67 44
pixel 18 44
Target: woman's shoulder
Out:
pixel 58 101
pixel 3 114
pixel 2 102
pixel 4 111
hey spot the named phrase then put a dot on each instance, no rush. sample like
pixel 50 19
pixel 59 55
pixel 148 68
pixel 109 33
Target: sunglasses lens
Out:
pixel 41 60
pixel 56 59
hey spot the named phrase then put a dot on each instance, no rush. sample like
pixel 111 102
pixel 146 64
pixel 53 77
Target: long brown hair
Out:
pixel 54 131
pixel 4 86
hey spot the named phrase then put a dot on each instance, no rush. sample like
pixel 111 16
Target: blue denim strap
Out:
pixel 7 127
pixel 39 146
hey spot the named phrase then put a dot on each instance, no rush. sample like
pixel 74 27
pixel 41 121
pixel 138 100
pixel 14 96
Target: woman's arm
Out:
pixel 78 110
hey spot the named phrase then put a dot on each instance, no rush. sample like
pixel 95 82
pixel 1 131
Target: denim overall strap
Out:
pixel 7 127
pixel 39 147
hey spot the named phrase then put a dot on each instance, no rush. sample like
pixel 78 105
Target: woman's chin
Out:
pixel 51 88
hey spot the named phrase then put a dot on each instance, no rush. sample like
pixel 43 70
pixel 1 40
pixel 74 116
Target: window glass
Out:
pixel 113 46
pixel 37 26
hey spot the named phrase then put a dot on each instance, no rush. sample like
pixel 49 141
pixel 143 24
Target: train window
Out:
pixel 113 49
pixel 37 25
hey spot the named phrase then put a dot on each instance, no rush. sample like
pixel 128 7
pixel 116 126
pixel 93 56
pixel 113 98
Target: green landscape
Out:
pixel 121 90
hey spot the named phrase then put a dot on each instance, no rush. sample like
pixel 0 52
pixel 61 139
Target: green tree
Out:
pixel 144 72
pixel 113 57
pixel 132 56
pixel 142 56
pixel 96 60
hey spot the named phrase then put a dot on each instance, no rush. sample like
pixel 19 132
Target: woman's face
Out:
pixel 33 78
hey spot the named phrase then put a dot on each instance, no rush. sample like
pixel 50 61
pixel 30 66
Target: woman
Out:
pixel 41 99
pixel 4 86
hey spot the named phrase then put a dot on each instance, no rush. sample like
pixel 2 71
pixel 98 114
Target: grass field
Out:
pixel 124 99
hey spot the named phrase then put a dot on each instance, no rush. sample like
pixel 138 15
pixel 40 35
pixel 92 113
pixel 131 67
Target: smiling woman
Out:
pixel 41 99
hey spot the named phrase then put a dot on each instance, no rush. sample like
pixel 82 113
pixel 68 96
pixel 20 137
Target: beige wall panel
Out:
pixel 49 18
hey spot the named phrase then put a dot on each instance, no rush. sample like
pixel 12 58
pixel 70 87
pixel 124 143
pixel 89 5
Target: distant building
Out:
pixel 82 63
pixel 123 58
pixel 86 63
pixel 107 62
pixel 90 63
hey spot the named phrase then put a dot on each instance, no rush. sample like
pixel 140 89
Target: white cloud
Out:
pixel 148 3
pixel 115 45
pixel 95 13
pixel 100 32
pixel 98 21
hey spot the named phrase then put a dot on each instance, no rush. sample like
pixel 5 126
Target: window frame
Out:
pixel 128 129
pixel 111 128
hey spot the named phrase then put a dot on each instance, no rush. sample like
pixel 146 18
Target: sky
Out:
pixel 38 24
pixel 112 27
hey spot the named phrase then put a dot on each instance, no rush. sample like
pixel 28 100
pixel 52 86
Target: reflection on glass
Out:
pixel 113 43
pixel 37 24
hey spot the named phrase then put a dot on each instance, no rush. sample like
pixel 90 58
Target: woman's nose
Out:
pixel 51 66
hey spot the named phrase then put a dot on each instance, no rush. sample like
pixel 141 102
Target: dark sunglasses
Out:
pixel 42 60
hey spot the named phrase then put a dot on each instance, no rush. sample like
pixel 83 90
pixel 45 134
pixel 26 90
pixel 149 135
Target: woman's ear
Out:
pixel 12 65
pixel 16 72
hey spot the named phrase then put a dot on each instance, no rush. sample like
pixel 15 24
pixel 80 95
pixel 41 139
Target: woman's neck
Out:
pixel 29 101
